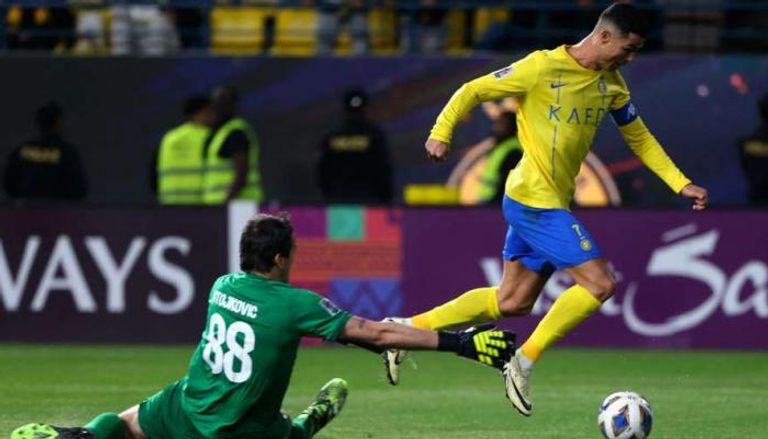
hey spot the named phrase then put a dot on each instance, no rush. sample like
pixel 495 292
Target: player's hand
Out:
pixel 488 345
pixel 697 193
pixel 437 150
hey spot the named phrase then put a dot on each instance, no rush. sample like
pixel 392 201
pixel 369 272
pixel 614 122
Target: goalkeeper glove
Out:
pixel 484 343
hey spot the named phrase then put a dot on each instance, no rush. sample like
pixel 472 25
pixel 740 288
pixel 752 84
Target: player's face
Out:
pixel 619 50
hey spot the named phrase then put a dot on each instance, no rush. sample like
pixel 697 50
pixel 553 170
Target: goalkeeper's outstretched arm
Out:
pixel 485 344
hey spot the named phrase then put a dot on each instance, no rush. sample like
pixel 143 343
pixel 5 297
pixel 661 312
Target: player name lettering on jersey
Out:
pixel 577 116
pixel 234 304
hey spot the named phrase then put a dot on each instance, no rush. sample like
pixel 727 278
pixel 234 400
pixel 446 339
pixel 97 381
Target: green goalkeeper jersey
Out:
pixel 240 371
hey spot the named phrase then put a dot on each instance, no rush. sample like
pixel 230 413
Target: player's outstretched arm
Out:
pixel 648 149
pixel 698 194
pixel 514 80
pixel 484 343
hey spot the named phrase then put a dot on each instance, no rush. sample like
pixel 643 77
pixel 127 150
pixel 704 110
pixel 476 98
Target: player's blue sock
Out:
pixel 107 426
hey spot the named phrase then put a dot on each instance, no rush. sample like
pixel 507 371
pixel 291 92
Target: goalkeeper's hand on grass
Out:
pixel 485 343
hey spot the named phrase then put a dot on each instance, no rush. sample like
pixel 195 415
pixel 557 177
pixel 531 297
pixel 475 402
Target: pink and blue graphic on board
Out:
pixel 352 255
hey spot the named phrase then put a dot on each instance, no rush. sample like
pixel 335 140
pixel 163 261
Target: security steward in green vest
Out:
pixel 231 154
pixel 180 158
pixel 502 158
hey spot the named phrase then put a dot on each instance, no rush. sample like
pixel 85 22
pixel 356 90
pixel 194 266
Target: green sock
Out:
pixel 107 426
pixel 302 427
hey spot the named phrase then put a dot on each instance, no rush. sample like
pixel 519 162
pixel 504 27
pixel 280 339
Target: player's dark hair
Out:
pixel 48 116
pixel 224 99
pixel 627 18
pixel 194 104
pixel 263 238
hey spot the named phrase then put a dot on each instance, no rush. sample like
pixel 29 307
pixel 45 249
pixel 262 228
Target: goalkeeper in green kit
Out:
pixel 239 373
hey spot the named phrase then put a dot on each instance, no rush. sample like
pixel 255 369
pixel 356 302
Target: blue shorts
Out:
pixel 545 240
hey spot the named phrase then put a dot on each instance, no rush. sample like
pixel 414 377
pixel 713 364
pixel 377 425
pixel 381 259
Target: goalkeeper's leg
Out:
pixel 104 426
pixel 323 409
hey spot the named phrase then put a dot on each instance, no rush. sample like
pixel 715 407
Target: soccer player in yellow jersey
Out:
pixel 564 95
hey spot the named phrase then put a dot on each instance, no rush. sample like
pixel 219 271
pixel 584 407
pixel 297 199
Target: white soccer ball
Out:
pixel 625 415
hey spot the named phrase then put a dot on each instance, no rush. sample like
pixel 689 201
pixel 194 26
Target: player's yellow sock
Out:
pixel 475 306
pixel 570 309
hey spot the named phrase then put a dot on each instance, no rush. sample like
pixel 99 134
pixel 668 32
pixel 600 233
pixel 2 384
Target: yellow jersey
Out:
pixel 561 106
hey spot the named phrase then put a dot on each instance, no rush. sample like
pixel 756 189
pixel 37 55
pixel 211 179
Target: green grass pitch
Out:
pixel 693 394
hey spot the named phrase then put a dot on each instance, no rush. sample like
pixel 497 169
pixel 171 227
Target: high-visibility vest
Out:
pixel 180 164
pixel 219 172
pixel 489 179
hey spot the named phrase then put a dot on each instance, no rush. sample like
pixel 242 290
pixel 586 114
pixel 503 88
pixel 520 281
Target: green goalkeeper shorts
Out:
pixel 161 416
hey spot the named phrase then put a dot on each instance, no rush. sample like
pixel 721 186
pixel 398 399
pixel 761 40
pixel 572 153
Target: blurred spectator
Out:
pixel 332 14
pixel 517 31
pixel 535 27
pixel 354 165
pixel 39 28
pixel 501 159
pixel 231 154
pixel 422 28
pixel 754 158
pixel 180 157
pixel 143 30
pixel 743 28
pixel 90 32
pixel 692 26
pixel 46 167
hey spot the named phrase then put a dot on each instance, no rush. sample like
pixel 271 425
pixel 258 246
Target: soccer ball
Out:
pixel 625 415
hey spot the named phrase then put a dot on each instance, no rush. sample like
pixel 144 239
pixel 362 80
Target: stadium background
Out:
pixel 116 268
pixel 675 92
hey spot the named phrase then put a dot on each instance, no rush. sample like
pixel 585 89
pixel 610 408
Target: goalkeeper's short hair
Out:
pixel 263 238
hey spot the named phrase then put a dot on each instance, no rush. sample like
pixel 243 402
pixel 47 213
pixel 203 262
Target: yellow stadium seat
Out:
pixel 295 30
pixel 455 30
pixel 14 16
pixel 238 30
pixel 382 27
pixel 484 17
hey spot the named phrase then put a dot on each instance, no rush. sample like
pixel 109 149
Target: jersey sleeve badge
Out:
pixel 329 306
pixel 503 73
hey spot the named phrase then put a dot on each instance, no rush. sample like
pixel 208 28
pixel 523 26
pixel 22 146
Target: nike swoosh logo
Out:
pixel 526 404
pixel 553 85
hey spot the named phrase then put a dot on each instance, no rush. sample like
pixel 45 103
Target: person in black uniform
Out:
pixel 354 164
pixel 754 158
pixel 46 167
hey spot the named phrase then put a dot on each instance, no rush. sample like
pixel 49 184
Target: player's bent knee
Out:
pixel 514 300
pixel 603 288
pixel 131 419
pixel 511 307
